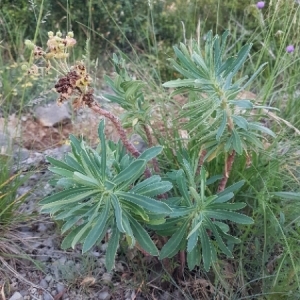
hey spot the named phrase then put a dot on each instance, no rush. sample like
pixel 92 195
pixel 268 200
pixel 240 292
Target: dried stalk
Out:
pixel 228 167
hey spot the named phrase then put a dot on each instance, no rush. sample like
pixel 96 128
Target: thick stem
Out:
pixel 122 133
pixel 228 167
pixel 182 261
pixel 201 161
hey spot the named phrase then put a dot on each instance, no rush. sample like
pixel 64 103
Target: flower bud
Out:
pixel 29 44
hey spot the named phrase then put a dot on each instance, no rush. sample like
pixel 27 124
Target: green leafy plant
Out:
pixel 199 225
pixel 99 193
pixel 113 188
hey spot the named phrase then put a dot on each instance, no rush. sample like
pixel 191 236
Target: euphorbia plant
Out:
pixel 114 186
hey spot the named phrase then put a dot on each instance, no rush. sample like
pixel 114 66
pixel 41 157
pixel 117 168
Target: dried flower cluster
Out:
pixel 58 46
pixel 77 84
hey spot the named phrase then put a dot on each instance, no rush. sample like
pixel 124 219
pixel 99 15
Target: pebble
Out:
pixel 48 278
pixel 42 228
pixel 44 283
pixel 106 278
pixel 60 287
pixel 103 296
pixel 46 296
pixel 16 296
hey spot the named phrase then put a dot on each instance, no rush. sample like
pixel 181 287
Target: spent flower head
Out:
pixel 260 4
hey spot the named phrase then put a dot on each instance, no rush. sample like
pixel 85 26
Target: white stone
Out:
pixel 16 296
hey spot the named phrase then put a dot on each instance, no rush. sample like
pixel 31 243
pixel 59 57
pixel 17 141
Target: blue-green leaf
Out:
pixel 174 243
pixel 130 174
pixel 145 202
pixel 97 229
pixel 112 249
pixel 118 212
pixel 143 238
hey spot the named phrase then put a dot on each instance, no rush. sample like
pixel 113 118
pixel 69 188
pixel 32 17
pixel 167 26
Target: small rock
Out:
pixel 106 277
pixel 119 267
pixel 53 115
pixel 47 296
pixel 42 227
pixel 16 296
pixel 60 287
pixel 48 278
pixel 103 296
pixel 44 283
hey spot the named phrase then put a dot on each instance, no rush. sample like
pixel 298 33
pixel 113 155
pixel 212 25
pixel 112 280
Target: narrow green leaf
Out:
pixel 60 164
pixel 61 172
pixel 197 222
pixel 85 180
pixel 84 230
pixel 227 206
pixel 236 141
pixel 66 193
pixel 259 127
pixel 224 227
pixel 206 249
pixel 219 240
pixel 222 126
pixel 97 228
pixel 155 189
pixel 128 230
pixel 70 199
pixel 70 223
pixel 174 243
pixel 192 241
pixel 233 188
pixel 247 104
pixel 73 163
pixel 130 174
pixel 182 186
pixel 67 241
pixel 181 211
pixel 143 238
pixel 112 249
pixel 144 183
pixel 242 55
pixel 229 215
pixel 150 153
pixel 287 195
pixel 240 122
pixel 224 197
pixel 193 258
pixel 145 202
pixel 118 212
pixel 179 83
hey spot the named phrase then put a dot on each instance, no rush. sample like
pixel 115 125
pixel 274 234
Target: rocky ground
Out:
pixel 52 273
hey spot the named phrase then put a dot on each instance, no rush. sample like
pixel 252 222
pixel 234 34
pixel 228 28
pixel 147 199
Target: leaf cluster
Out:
pixel 217 118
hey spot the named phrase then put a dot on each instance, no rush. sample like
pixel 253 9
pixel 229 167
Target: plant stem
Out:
pixel 122 133
pixel 150 144
pixel 228 166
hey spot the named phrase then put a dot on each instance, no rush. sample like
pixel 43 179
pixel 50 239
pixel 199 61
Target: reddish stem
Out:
pixel 122 133
pixel 150 144
pixel 201 161
pixel 228 167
